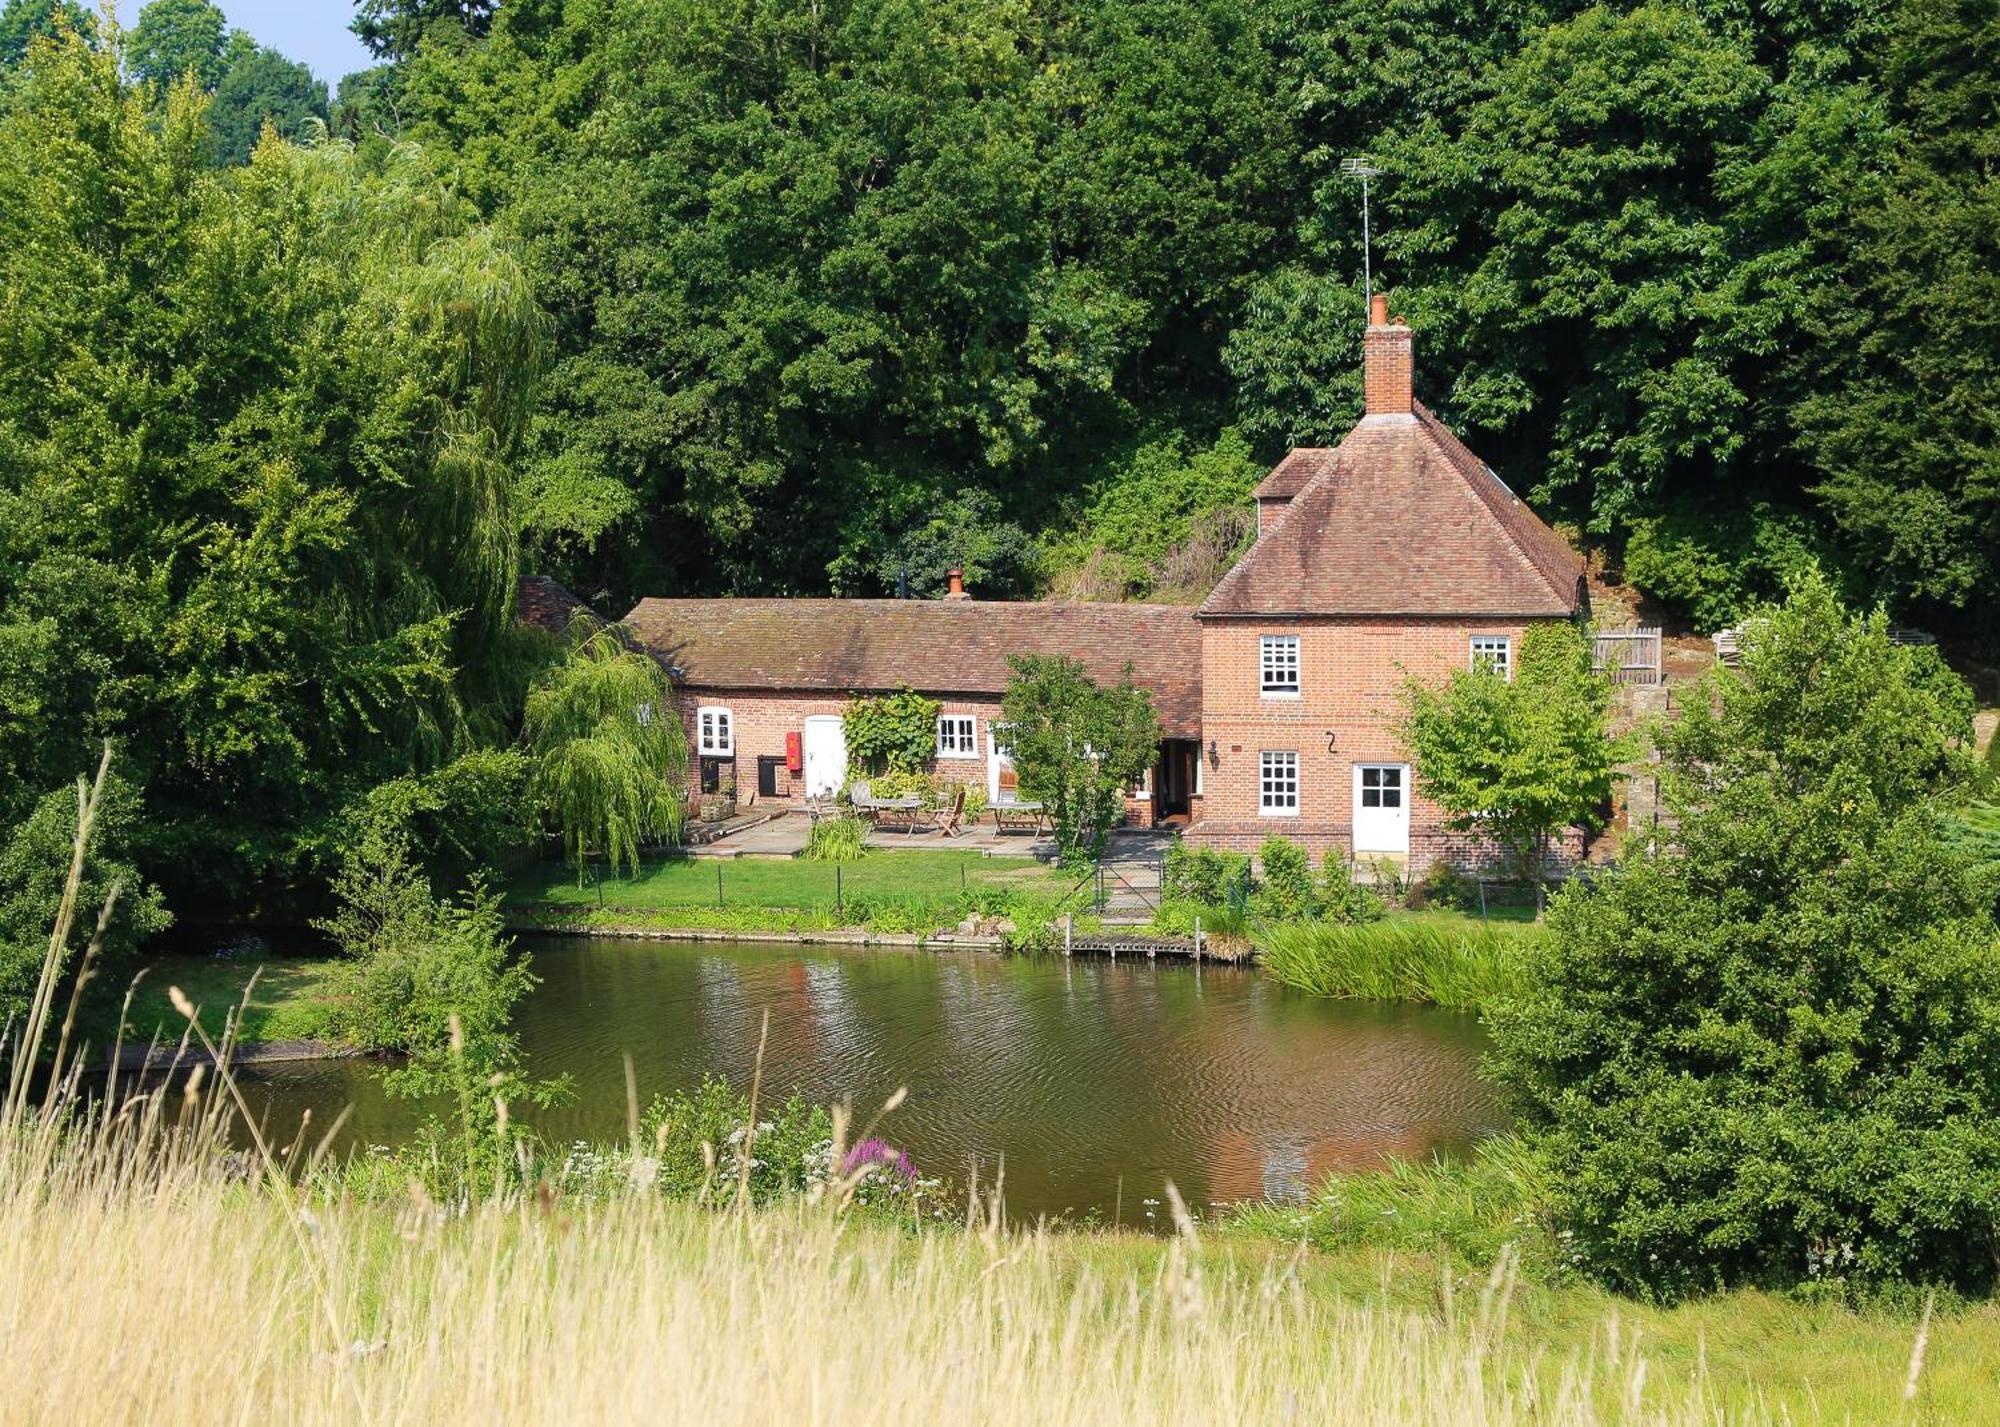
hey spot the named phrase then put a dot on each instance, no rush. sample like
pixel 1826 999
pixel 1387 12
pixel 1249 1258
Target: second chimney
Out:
pixel 1385 363
pixel 954 581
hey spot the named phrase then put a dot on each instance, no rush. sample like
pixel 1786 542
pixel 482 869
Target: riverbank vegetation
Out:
pixel 1440 959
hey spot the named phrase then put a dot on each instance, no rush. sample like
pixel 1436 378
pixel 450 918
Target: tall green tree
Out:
pixel 263 87
pixel 176 38
pixel 24 21
pixel 1765 1046
pixel 1901 409
pixel 257 512
pixel 1077 746
pixel 608 755
pixel 394 29
pixel 1518 760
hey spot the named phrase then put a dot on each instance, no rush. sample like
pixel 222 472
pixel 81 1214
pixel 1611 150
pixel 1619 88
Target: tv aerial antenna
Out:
pixel 1357 166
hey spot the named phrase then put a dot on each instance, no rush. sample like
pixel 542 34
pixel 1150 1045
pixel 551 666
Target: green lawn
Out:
pixel 289 1001
pixel 786 882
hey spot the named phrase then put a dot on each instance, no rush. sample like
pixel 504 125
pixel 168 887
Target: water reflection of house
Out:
pixel 1287 1165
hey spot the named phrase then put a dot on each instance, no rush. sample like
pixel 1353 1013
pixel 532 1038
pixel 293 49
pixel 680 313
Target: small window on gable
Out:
pixel 1495 652
pixel 957 736
pixel 1277 783
pixel 715 733
pixel 1278 663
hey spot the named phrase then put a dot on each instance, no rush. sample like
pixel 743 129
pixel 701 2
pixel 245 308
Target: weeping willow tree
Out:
pixel 608 754
pixel 258 434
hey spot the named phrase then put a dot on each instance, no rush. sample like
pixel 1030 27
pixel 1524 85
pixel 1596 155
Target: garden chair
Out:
pixel 947 818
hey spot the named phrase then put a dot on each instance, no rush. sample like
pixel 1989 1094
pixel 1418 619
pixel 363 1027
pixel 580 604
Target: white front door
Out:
pixel 826 755
pixel 1382 807
pixel 1000 785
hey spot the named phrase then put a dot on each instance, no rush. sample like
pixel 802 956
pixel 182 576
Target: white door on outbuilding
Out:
pixel 826 755
pixel 1381 807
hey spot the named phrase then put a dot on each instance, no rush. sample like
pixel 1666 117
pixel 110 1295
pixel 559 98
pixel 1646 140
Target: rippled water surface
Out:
pixel 1094 1082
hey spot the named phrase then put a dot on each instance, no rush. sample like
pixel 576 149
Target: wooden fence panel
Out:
pixel 1629 656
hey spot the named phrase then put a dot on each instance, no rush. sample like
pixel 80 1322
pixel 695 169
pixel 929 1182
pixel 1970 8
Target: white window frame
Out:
pixel 1285 648
pixel 715 732
pixel 1495 651
pixel 1272 777
pixel 955 747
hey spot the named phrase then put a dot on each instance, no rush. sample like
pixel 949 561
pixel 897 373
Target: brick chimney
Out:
pixel 954 580
pixel 1385 363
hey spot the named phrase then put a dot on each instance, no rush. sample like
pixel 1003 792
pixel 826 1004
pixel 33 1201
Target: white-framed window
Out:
pixel 1277 783
pixel 715 732
pixel 1381 786
pixel 957 736
pixel 1495 652
pixel 1278 663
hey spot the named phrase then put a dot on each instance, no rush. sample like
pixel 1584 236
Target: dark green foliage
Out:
pixel 1769 1050
pixel 1077 745
pixel 264 88
pixel 395 29
pixel 34 864
pixel 1902 419
pixel 1717 563
pixel 1286 892
pixel 820 272
pixel 175 39
pixel 24 21
pixel 963 533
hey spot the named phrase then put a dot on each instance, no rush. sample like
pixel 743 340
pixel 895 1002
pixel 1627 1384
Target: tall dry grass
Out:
pixel 134 1286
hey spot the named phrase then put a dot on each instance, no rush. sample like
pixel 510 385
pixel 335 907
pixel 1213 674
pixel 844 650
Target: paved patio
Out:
pixel 785 836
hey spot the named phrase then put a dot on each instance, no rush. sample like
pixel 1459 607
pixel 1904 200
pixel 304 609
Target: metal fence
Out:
pixel 1629 656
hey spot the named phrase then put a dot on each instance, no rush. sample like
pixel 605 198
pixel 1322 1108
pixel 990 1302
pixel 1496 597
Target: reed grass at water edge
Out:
pixel 1457 964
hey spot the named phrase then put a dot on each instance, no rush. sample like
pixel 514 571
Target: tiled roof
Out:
pixel 934 646
pixel 1294 473
pixel 540 601
pixel 1401 519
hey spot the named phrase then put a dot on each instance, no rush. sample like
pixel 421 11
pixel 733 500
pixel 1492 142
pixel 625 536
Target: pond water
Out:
pixel 1094 1082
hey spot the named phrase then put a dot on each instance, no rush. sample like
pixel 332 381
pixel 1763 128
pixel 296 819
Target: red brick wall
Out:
pixel 763 718
pixel 1350 673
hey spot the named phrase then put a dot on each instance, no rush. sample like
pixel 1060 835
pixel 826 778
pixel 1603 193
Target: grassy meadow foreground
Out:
pixel 132 1280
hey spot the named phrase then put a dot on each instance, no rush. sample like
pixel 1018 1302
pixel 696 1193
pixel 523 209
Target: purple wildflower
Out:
pixel 882 1154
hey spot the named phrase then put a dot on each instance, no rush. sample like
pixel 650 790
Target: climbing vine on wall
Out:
pixel 892 731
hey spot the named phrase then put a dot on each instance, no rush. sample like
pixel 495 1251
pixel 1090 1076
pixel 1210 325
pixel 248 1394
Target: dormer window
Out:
pixel 1278 665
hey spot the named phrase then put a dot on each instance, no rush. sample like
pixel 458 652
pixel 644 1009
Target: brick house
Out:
pixel 763 681
pixel 1396 553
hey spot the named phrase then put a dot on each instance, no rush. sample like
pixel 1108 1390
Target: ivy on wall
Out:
pixel 891 732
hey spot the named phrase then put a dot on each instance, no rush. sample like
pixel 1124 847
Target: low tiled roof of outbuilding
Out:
pixel 542 602
pixel 933 646
pixel 1401 519
pixel 1294 473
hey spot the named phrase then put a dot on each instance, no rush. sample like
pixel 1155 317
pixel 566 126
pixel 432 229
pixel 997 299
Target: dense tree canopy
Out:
pixel 263 87
pixel 822 277
pixel 176 38
pixel 256 514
